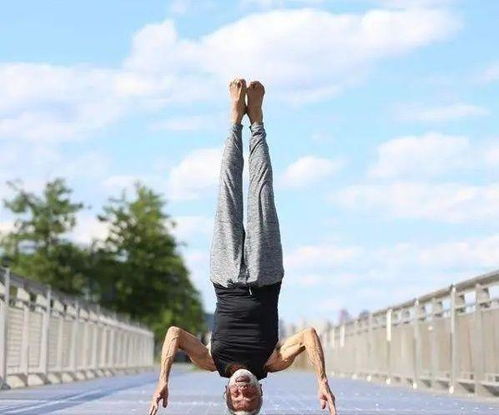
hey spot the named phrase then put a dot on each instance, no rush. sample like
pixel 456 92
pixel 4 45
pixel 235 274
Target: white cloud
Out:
pixel 432 154
pixel 331 304
pixel 196 174
pixel 320 255
pixel 310 280
pixel 491 154
pixel 378 276
pixel 90 165
pixel 192 226
pixel 47 161
pixel 419 156
pixel 198 263
pixel 440 113
pixel 182 7
pixel 489 74
pixel 447 202
pixel 119 182
pixel 309 169
pixel 343 44
pixel 267 4
pixel 126 182
pixel 55 102
pixel 88 228
pixel 179 7
pixel 306 275
pixel 460 254
pixel 193 122
pixel 322 136
pixel 6 227
pixel 401 4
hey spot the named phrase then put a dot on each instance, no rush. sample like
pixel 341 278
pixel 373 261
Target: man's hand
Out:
pixel 161 393
pixel 326 397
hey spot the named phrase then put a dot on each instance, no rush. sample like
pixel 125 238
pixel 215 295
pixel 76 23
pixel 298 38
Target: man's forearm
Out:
pixel 170 347
pixel 315 354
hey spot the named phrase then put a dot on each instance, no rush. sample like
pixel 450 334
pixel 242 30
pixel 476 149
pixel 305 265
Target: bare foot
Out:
pixel 237 90
pixel 255 94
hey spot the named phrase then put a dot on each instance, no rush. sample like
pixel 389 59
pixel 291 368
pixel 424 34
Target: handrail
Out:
pixel 48 336
pixel 440 340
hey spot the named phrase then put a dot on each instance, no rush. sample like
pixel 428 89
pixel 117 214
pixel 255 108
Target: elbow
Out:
pixel 173 331
pixel 311 331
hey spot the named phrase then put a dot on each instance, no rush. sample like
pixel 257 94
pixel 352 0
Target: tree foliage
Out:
pixel 135 270
pixel 141 271
pixel 38 245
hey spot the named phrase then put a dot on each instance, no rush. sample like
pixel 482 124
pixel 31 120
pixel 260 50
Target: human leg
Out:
pixel 226 254
pixel 263 249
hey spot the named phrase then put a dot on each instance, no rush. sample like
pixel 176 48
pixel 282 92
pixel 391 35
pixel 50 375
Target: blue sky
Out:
pixel 380 115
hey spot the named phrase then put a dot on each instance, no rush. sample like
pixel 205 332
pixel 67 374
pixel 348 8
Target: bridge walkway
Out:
pixel 195 392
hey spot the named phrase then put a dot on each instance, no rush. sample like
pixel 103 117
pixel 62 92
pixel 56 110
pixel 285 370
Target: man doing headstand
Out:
pixel 246 270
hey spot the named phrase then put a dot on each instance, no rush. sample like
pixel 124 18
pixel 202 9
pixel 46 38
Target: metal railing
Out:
pixel 49 337
pixel 447 339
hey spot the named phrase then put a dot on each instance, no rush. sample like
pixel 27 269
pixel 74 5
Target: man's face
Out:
pixel 243 391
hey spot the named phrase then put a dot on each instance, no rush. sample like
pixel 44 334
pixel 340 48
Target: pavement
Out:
pixel 195 392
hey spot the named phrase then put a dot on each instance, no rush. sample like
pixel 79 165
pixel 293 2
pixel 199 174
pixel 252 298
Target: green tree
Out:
pixel 38 246
pixel 139 269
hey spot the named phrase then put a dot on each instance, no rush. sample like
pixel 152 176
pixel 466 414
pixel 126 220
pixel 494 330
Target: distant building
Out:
pixel 364 314
pixel 344 316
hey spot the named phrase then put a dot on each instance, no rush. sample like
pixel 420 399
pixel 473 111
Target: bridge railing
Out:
pixel 447 339
pixel 50 337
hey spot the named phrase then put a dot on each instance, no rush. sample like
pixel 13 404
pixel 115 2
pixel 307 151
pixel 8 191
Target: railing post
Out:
pixel 342 351
pixel 453 341
pixel 118 348
pixel 417 345
pixel 112 349
pixel 74 338
pixel 24 296
pixel 342 335
pixel 482 299
pixel 388 345
pixel 44 347
pixel 333 337
pixel 334 357
pixel 124 337
pixel 354 338
pixel 103 347
pixel 94 360
pixel 83 358
pixel 436 312
pixel 370 348
pixel 128 348
pixel 133 361
pixel 4 328
pixel 59 306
